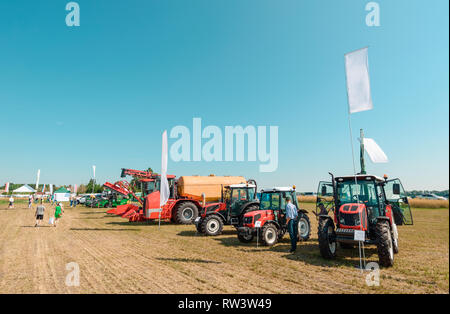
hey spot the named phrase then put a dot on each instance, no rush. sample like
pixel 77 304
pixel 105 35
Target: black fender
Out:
pixel 325 217
pixel 217 214
pixel 304 211
pixel 246 205
pixel 273 222
pixel 385 218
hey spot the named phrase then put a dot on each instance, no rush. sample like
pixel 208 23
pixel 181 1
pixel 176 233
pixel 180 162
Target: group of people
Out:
pixel 40 209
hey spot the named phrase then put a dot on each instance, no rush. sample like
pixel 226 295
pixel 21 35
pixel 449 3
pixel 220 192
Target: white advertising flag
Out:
pixel 93 169
pixel 75 189
pixel 37 179
pixel 358 83
pixel 164 190
pixel 7 187
pixel 374 151
pixel 51 188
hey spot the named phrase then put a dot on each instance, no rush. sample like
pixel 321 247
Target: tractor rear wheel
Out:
pixel 327 239
pixel 384 243
pixel 304 227
pixel 185 213
pixel 212 225
pixel 269 234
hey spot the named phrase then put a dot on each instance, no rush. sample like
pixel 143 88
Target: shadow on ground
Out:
pixel 187 260
pixel 103 229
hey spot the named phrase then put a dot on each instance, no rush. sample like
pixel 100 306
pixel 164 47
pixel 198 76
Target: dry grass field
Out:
pixel 115 256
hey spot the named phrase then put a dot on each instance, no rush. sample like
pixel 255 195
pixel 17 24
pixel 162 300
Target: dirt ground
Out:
pixel 115 256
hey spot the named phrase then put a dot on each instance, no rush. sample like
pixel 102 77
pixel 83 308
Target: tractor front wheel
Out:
pixel 245 238
pixel 212 225
pixel 185 213
pixel 304 227
pixel 269 234
pixel 327 239
pixel 384 243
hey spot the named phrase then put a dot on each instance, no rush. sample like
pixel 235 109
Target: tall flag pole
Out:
pixel 37 179
pixel 164 187
pixel 93 183
pixel 358 88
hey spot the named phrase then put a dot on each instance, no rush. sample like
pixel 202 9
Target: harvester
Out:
pixel 269 221
pixel 236 201
pixel 187 196
pixel 366 203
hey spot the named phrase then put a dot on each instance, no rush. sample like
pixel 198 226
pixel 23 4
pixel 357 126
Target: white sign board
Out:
pixel 359 235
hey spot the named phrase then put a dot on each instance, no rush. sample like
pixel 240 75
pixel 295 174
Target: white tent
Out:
pixel 25 189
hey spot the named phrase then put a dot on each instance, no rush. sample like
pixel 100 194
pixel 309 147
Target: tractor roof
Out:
pixel 279 189
pixel 242 185
pixel 362 177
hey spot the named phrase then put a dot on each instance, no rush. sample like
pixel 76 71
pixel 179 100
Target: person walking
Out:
pixel 30 201
pixel 292 223
pixel 58 213
pixel 40 209
pixel 11 202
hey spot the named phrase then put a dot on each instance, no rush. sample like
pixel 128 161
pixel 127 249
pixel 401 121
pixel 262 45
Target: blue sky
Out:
pixel 102 93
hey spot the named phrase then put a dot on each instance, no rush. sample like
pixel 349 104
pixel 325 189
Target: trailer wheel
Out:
pixel 245 238
pixel 186 213
pixel 384 243
pixel 269 234
pixel 327 239
pixel 304 227
pixel 212 225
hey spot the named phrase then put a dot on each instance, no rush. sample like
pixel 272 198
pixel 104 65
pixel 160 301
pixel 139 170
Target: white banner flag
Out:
pixel 93 169
pixel 164 189
pixel 358 83
pixel 374 151
pixel 7 187
pixel 75 188
pixel 51 188
pixel 37 179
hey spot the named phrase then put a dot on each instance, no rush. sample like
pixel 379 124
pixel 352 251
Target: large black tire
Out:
pixel 198 226
pixel 185 213
pixel 346 246
pixel 384 243
pixel 250 208
pixel 304 227
pixel 269 234
pixel 395 238
pixel 327 242
pixel 245 238
pixel 212 225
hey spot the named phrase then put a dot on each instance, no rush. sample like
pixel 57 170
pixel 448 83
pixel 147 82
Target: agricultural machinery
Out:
pixel 269 221
pixel 187 195
pixel 364 203
pixel 236 200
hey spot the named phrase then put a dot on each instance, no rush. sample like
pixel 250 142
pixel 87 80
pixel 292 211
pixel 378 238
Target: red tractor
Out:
pixel 269 222
pixel 236 201
pixel 364 203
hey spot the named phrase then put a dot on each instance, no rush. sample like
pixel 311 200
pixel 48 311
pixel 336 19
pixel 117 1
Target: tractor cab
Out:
pixel 235 196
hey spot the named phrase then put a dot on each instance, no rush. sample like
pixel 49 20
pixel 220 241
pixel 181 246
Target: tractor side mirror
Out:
pixel 324 190
pixel 396 189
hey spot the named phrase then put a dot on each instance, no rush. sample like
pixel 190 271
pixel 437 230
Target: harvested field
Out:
pixel 115 256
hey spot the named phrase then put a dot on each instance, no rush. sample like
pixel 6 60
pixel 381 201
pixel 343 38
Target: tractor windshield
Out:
pixel 364 191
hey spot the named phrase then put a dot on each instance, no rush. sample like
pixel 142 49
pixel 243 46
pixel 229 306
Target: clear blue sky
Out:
pixel 103 93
